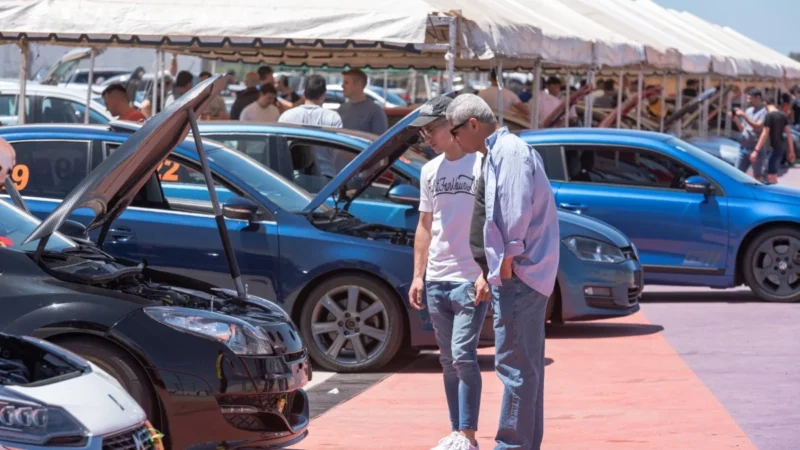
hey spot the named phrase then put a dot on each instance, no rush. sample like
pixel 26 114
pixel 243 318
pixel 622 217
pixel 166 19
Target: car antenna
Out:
pixel 233 265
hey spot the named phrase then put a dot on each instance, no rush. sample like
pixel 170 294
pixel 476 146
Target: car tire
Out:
pixel 119 365
pixel 771 265
pixel 331 323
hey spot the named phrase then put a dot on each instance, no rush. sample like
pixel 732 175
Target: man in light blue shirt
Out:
pixel 521 244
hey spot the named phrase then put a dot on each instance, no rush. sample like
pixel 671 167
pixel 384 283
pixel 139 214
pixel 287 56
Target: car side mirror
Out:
pixel 699 185
pixel 240 208
pixel 73 229
pixel 404 194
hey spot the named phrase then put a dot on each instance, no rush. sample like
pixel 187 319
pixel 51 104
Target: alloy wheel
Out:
pixel 776 266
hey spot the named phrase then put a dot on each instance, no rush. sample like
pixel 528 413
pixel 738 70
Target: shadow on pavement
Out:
pixel 701 296
pixel 428 362
pixel 600 330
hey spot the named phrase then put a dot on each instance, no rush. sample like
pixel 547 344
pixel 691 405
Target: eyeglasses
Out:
pixel 453 130
pixel 428 134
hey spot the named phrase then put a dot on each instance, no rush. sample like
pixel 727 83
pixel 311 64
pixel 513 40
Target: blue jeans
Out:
pixel 519 360
pixel 457 324
pixel 743 162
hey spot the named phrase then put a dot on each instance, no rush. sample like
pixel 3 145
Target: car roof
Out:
pixel 228 126
pixel 582 134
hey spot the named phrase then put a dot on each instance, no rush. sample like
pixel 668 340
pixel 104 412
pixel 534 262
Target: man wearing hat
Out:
pixel 443 257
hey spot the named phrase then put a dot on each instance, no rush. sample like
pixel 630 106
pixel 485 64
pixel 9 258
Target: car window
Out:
pixel 625 166
pixel 94 116
pixel 553 161
pixel 269 150
pixel 50 169
pixel 9 112
pixel 58 110
pixel 16 226
pixel 334 96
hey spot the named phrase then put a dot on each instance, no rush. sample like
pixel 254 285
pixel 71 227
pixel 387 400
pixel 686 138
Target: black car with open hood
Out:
pixel 188 352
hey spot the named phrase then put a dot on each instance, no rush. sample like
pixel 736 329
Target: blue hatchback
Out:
pixel 599 274
pixel 696 220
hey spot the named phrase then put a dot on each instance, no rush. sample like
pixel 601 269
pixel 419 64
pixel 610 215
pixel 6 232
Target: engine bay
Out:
pixel 24 363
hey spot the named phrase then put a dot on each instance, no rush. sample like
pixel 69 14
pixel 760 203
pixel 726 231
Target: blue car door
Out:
pixel 641 192
pixel 181 235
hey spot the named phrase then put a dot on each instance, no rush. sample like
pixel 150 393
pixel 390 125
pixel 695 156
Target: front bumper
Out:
pixel 139 437
pixel 598 290
pixel 241 401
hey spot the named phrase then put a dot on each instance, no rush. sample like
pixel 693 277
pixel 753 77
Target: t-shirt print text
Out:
pixel 462 184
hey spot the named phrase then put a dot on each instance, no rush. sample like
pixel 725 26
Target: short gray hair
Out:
pixel 468 106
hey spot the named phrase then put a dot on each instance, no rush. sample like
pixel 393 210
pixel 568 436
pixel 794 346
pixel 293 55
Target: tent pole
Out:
pixel 213 66
pixel 566 99
pixel 500 83
pixel 587 110
pixel 705 107
pixel 639 83
pixel 537 95
pixel 154 109
pixel 775 84
pixel 451 56
pixel 619 97
pixel 719 107
pixel 413 88
pixel 729 107
pixel 663 102
pixel 385 85
pixel 163 85
pixel 89 82
pixel 23 80
pixel 440 85
pixel 679 105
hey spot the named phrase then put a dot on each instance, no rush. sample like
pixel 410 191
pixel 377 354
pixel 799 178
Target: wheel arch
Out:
pixel 748 239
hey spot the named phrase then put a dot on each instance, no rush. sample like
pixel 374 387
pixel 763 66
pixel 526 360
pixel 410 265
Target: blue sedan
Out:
pixel 696 220
pixel 599 274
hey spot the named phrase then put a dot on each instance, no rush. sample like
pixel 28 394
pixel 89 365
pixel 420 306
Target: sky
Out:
pixel 778 19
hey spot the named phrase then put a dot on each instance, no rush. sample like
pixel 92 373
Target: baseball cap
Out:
pixel 432 110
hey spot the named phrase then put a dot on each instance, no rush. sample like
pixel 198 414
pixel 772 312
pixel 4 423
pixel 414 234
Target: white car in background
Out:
pixel 49 104
pixel 334 97
pixel 52 399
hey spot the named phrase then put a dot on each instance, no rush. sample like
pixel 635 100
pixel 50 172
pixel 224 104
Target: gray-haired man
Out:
pixel 515 234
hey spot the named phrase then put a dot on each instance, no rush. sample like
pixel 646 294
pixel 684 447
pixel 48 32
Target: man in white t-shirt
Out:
pixel 549 101
pixel 442 256
pixel 510 100
pixel 263 109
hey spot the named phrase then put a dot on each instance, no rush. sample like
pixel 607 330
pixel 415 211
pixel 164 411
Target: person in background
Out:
pixel 117 103
pixel 147 104
pixel 609 97
pixel 311 112
pixel 691 89
pixel 445 269
pixel 285 92
pixel 246 96
pixel 776 123
pixel 750 123
pixel 514 236
pixel 527 93
pixel 655 107
pixel 510 101
pixel 217 110
pixel 550 101
pixel 795 119
pixel 267 76
pixel 263 109
pixel 359 112
pixel 183 83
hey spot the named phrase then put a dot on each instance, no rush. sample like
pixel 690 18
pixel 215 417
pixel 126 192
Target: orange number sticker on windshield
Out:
pixel 171 174
pixel 20 175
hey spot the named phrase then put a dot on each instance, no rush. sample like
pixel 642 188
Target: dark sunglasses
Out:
pixel 453 130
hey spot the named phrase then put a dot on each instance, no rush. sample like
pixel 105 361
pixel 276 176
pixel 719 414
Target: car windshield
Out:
pixel 712 161
pixel 267 182
pixel 390 96
pixel 414 157
pixel 16 226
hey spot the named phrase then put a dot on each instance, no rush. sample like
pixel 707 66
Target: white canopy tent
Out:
pixel 790 66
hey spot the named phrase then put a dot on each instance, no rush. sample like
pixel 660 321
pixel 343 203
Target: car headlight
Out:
pixel 30 423
pixel 588 249
pixel 239 336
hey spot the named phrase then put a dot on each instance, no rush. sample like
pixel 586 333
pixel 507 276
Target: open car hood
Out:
pixel 112 186
pixel 66 64
pixel 368 165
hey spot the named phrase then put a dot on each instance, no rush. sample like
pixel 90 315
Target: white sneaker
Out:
pixel 446 442
pixel 460 442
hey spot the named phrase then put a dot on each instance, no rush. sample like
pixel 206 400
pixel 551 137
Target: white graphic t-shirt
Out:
pixel 448 191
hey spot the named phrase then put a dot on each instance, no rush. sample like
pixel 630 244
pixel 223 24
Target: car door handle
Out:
pixel 574 207
pixel 121 234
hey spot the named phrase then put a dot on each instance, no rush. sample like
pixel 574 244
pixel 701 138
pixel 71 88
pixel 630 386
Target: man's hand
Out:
pixel 753 157
pixel 8 159
pixel 740 113
pixel 415 293
pixel 790 157
pixel 506 271
pixel 482 290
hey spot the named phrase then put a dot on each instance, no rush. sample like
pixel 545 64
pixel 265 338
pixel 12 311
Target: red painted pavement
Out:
pixel 611 384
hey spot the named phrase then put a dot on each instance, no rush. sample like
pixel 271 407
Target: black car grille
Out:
pixel 259 412
pixel 138 439
pixel 633 294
